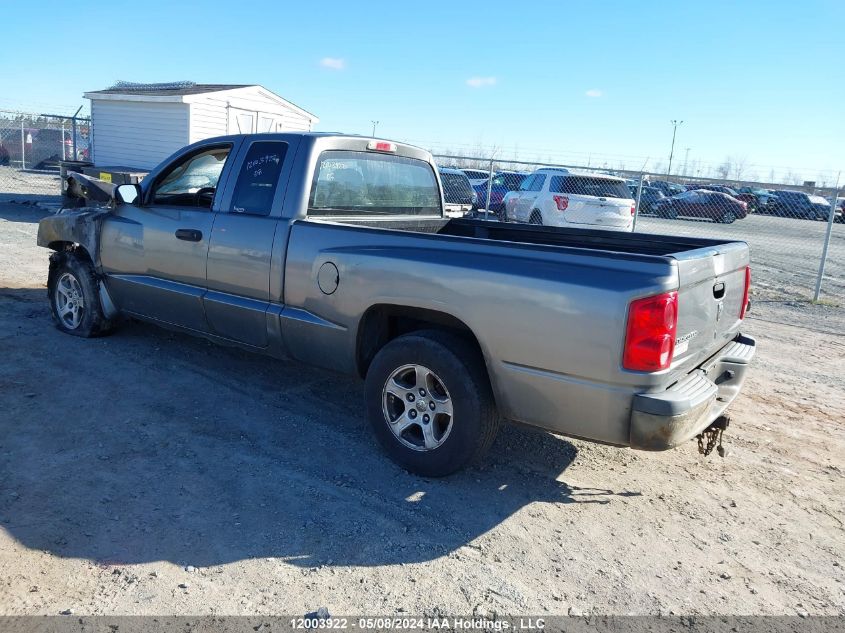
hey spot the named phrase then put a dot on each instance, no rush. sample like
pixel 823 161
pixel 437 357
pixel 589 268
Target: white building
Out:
pixel 139 125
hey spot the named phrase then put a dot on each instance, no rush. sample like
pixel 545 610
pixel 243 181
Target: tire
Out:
pixel 536 218
pixel 74 297
pixel 728 217
pixel 448 370
pixel 670 213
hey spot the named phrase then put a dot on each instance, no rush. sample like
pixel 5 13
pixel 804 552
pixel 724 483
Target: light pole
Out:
pixel 675 124
pixel 686 160
pixel 375 123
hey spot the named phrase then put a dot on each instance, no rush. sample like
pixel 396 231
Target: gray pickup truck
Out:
pixel 334 250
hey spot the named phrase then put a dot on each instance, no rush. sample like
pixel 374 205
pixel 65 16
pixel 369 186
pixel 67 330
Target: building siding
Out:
pixel 210 113
pixel 137 134
pixel 140 133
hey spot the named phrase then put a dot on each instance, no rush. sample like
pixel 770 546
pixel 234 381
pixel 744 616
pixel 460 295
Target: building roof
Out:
pixel 181 92
pixel 167 90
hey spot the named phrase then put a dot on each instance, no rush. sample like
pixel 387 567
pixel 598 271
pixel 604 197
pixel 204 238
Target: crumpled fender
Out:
pixel 93 190
pixel 76 226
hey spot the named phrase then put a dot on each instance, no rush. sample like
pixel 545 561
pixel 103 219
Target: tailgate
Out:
pixel 712 285
pixel 600 211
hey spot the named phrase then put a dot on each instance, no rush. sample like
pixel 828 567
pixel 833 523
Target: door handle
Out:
pixel 189 235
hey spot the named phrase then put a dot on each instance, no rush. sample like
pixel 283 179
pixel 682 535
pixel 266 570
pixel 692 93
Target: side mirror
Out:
pixel 127 194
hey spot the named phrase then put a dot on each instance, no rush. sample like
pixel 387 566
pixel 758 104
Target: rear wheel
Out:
pixel 535 218
pixel 728 217
pixel 430 403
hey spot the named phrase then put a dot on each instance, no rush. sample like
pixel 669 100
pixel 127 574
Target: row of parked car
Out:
pixel 547 196
pixel 725 204
pixel 561 197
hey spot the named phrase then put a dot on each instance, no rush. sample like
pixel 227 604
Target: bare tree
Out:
pixel 739 165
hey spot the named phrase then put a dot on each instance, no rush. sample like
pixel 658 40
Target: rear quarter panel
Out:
pixel 550 321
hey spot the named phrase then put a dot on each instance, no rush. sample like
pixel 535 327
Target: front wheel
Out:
pixel 430 403
pixel 73 294
pixel 670 213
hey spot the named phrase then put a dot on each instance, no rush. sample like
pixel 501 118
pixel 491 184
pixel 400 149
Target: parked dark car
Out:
pixel 503 182
pixel 668 188
pixel 701 203
pixel 748 198
pixel 649 197
pixel 764 196
pixel 458 196
pixel 797 204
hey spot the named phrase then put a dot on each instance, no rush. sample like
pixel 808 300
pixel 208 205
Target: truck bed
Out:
pixel 608 241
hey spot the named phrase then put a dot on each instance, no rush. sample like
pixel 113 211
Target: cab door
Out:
pixel 248 238
pixel 154 253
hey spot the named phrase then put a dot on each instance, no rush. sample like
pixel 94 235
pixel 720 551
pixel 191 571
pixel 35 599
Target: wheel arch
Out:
pixel 64 246
pixel 384 322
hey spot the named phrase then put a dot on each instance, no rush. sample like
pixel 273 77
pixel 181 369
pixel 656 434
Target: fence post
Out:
pixel 489 191
pixel 23 147
pixel 818 290
pixel 637 204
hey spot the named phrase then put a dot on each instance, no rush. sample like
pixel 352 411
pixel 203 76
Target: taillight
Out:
pixel 650 334
pixel 562 202
pixel 745 293
pixel 633 208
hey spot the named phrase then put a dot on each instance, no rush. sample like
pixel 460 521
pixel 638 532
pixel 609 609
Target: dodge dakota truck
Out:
pixel 333 250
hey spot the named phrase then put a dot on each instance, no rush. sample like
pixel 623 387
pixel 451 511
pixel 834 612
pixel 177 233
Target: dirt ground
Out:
pixel 154 473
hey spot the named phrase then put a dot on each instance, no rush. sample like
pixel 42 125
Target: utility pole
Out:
pixel 675 123
pixel 686 160
pixel 375 123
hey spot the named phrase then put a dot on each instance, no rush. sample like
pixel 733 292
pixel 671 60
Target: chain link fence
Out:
pixel 796 233
pixel 32 146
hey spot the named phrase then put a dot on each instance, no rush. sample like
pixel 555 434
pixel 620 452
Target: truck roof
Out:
pixel 401 147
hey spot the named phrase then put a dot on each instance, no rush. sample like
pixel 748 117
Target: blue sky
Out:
pixel 761 82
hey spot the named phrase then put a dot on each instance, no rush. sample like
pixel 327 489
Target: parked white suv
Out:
pixel 559 197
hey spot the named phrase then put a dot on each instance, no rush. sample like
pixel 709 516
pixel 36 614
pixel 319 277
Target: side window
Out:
pixel 539 181
pixel 259 177
pixel 192 182
pixel 526 184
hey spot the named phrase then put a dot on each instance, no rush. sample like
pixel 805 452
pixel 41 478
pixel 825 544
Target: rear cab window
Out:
pixel 589 186
pixel 350 183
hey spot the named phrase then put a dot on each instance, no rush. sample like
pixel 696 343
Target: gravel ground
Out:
pixel 154 473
